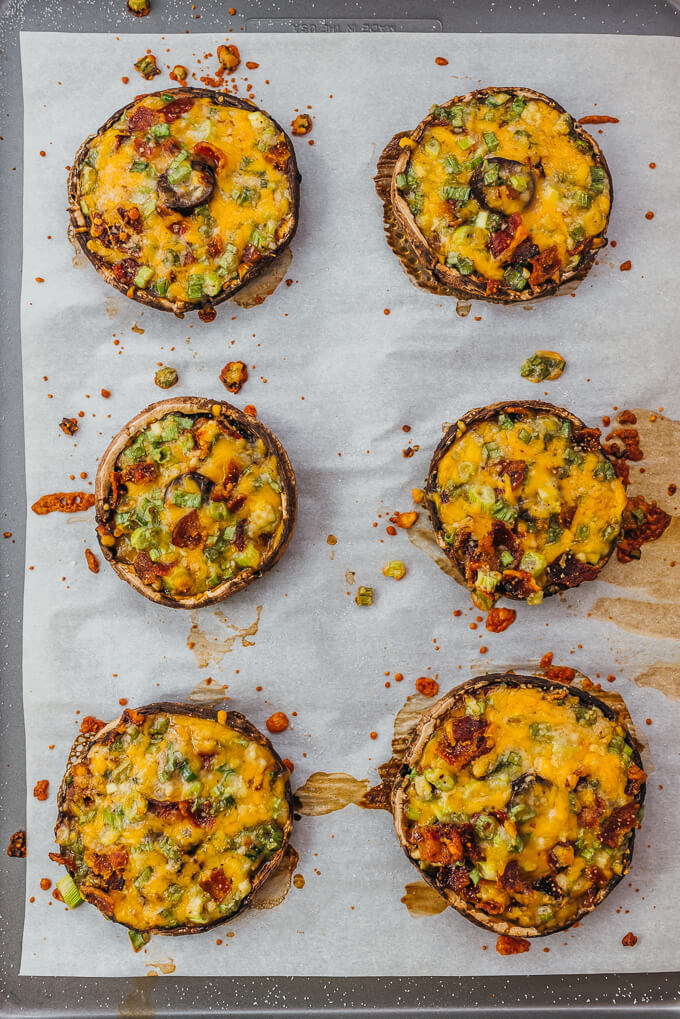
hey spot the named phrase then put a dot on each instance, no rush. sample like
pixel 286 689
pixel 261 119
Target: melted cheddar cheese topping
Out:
pixel 503 189
pixel 169 819
pixel 191 254
pixel 524 805
pixel 523 502
pixel 197 503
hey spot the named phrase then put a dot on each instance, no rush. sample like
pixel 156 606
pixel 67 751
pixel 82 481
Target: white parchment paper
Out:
pixel 342 377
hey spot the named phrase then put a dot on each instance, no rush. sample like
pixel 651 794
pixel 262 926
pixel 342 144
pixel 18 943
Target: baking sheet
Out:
pixel 342 377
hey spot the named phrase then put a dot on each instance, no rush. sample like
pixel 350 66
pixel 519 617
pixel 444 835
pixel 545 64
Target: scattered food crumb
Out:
pixel 277 722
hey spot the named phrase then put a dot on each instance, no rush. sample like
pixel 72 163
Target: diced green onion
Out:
pixel 464 265
pixel 518 183
pixel 485 826
pixel 212 283
pixel 160 287
pixel 584 715
pixel 577 233
pixel 395 569
pixel 464 143
pixel 482 219
pixel 524 435
pixel 533 563
pixel 597 179
pixel 143 277
pixel 159 130
pixel 514 278
pixel 502 511
pixel 143 877
pixel 475 876
pixel 455 115
pixel 554 533
pixel 69 891
pixel 583 198
pixel 535 598
pixel 487 580
pixel 138 939
pixel 540 732
pixel 517 107
pixel 195 287
pixel 432 147
pixel 491 175
pixel 466 471
pixel 506 558
pixel 139 166
pixel 149 207
pixel 491 142
pixel 179 169
pixel 364 596
pixel 504 421
pixel 616 745
pixel 491 451
pixel 455 193
pixel 189 500
pixel 401 181
pixel 497 99
pixel 482 496
pixel 582 532
pixel 604 471
pixel 451 163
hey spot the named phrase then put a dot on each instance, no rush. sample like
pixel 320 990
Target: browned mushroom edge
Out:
pixel 234 720
pixel 464 286
pixel 80 222
pixel 426 726
pixel 485 414
pixel 249 425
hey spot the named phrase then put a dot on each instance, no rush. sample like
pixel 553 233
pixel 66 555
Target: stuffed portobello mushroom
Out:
pixel 518 801
pixel 183 196
pixel 194 500
pixel 524 501
pixel 501 195
pixel 171 817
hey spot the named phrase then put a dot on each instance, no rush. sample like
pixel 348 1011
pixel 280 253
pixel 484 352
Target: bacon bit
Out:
pixel 187 531
pixel 500 619
pixel 41 789
pixel 177 108
pixel 441 61
pixel 210 154
pixel 251 65
pixel 373 734
pixel 649 215
pixel 503 242
pixel 69 426
pixel 278 722
pixel 440 844
pixel 91 725
pixel 625 266
pixel 515 470
pixel 629 940
pixel 92 561
pixel 45 883
pixel 139 473
pixel 179 73
pixel 229 57
pixel 630 439
pixel 404 520
pixel 620 822
pixel 391 530
pixel 636 777
pixel 106 393
pixel 250 410
pixel 598 119
pixel 216 884
pixel 589 815
pixel 17 845
pixel 63 502
pixel 288 763
pixel 232 11
pixel 302 124
pixel 7 534
pixel 56 894
pixel 234 375
pixel 398 677
pixel 426 686
pixel 125 79
pixel 507 945
pixel 570 571
pixel 470 741
pixel 642 522
pixel 545 266
pixel 626 417
pixel 39 279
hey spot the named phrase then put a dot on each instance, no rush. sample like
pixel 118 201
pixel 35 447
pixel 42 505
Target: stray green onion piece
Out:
pixel 69 891
pixel 395 569
pixel 544 364
pixel 166 378
pixel 364 596
pixel 138 939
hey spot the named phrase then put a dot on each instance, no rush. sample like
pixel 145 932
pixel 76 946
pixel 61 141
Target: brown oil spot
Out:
pixel 350 577
pixel 112 307
pixel 79 260
pixel 463 308
pixel 299 881
pixel 422 900
pixel 138 1004
pixel 163 966
pixel 662 676
pixel 259 289
pixel 325 793
pixel 379 797
pixel 208 647
pixel 207 692
pixel 273 892
pixel 652 619
pixel 137 329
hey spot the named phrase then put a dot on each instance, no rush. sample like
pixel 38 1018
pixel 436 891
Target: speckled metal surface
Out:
pixel 597 996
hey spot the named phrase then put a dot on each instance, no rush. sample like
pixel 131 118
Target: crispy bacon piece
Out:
pixel 214 247
pixel 636 778
pixel 104 864
pixel 204 432
pixel 619 823
pixel 589 815
pixel 629 940
pixel 41 789
pixel 524 252
pixel 492 286
pixel 587 438
pixel 516 471
pixel 216 884
pixel 69 426
pixel 120 138
pixel 234 375
pixel 147 570
pixel 499 619
pixel 570 571
pixel 519 583
pixel 438 843
pixel 90 724
pixel 63 502
pixel 144 146
pixel 126 270
pixel 142 118
pixel 630 444
pixel 636 531
pixel 98 898
pixel 455 877
pixel 179 227
pixel 278 155
pixel 222 492
pixel 622 470
pixel 210 154
pixel 17 846
pixel 595 118
pixel 560 674
pixel 508 945
pixel 470 743
pixel 598 881
pixel 491 906
pixel 545 266
pixel 250 255
pixel 139 473
pixel 561 855
pixel 177 108
pixel 510 879
pixel 240 532
pixel 187 531
pixel 132 218
pixel 504 242
pixel 199 816
pixel 114 478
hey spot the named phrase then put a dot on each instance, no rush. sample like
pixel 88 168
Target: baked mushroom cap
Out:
pixel 508 540
pixel 128 722
pixel 532 270
pixel 184 183
pixel 523 788
pixel 230 419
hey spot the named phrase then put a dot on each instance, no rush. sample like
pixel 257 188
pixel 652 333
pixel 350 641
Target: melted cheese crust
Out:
pixel 194 865
pixel 570 501
pixel 238 522
pixel 188 257
pixel 530 734
pixel 569 207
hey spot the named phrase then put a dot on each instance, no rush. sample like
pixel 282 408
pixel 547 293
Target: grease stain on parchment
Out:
pixel 324 793
pixel 379 796
pixel 661 676
pixel 422 900
pixel 112 307
pixel 161 966
pixel 350 577
pixel 463 308
pixel 422 537
pixel 208 692
pixel 79 260
pixel 265 284
pixel 211 648
pixel 274 891
pixel 138 1005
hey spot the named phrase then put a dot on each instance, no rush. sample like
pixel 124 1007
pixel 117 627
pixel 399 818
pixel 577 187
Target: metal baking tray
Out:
pixel 632 995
